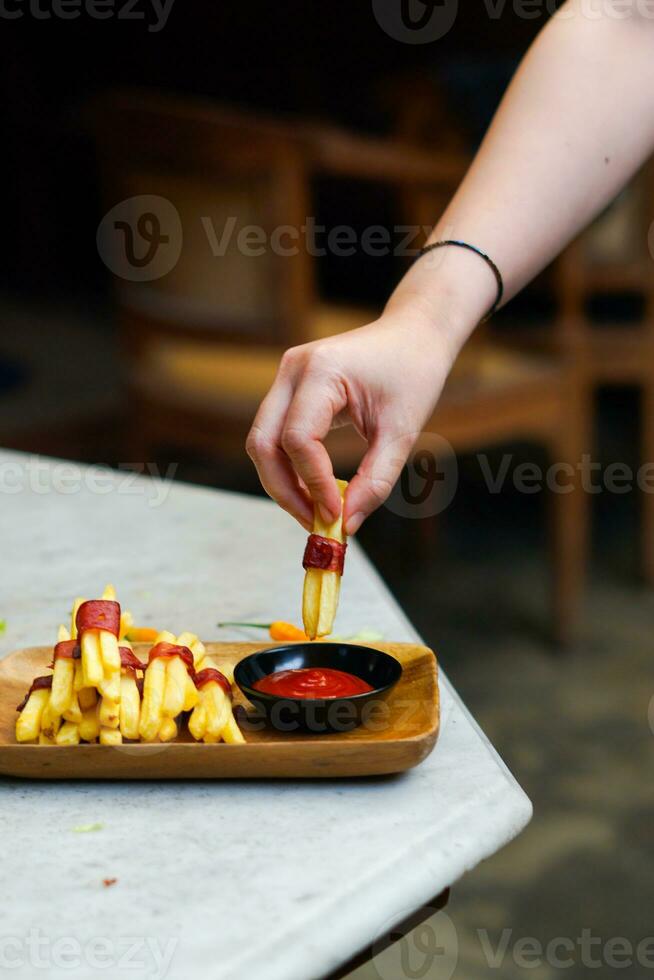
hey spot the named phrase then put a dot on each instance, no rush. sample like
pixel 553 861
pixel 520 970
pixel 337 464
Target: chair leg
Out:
pixel 570 521
pixel 647 497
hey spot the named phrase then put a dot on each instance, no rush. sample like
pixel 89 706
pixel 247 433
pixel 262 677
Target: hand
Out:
pixel 384 379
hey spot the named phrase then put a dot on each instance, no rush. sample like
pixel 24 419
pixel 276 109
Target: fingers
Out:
pixel 263 446
pixel 378 472
pixel 278 478
pixel 309 419
pixel 285 442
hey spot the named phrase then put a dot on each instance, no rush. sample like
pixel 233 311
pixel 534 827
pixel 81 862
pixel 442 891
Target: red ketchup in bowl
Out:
pixel 312 682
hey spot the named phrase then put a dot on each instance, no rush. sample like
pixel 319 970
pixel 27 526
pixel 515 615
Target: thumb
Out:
pixel 376 476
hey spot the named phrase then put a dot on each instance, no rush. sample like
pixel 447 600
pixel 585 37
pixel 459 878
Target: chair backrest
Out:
pixel 236 181
pixel 613 256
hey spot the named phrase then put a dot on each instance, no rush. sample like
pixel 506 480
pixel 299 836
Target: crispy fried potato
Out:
pixel 109 713
pixel 73 712
pixel 321 588
pixel 130 706
pixel 89 727
pixel 73 616
pixel 175 687
pixel 63 679
pixel 218 708
pixel 28 723
pixel 68 734
pixel 91 659
pixel 110 736
pixel 87 697
pixel 153 695
pixel 50 721
pixel 197 723
pixel 231 733
pixel 167 730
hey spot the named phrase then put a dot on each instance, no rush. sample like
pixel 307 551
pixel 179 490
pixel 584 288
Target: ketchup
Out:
pixel 312 682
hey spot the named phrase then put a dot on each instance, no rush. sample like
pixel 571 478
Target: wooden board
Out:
pixel 400 735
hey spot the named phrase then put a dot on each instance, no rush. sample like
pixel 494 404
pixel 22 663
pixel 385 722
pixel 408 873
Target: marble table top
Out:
pixel 281 880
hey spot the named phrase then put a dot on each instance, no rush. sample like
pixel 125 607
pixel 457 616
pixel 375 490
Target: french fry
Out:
pixel 197 723
pixel 153 695
pixel 322 588
pixel 231 733
pixel 109 713
pixel 88 698
pixel 167 730
pixel 50 720
pixel 218 708
pixel 73 617
pixel 110 736
pixel 91 659
pixel 68 734
pixel 78 683
pixel 89 727
pixel 63 680
pixel 130 706
pixel 73 712
pixel 175 687
pixel 28 723
pixel 46 739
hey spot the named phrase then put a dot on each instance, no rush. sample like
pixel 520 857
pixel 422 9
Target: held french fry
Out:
pixel 322 585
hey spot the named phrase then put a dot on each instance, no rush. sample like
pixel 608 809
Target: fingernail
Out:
pixel 353 523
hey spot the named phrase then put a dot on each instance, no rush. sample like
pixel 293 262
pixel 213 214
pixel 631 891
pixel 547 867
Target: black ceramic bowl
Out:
pixel 318 715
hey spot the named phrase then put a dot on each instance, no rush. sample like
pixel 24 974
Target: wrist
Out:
pixel 451 288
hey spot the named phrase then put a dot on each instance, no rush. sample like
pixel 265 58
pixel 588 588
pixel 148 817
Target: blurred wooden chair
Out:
pixel 498 395
pixel 203 341
pixel 612 262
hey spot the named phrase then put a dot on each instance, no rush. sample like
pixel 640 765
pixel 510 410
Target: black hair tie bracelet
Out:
pixel 482 255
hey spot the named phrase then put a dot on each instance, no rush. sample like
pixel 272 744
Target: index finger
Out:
pixel 310 416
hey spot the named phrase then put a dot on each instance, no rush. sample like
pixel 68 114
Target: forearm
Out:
pixel 574 126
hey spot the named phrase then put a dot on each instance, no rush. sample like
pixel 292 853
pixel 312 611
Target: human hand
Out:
pixel 383 378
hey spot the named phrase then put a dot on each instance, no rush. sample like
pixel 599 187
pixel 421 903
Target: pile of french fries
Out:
pixel 99 691
pixel 322 588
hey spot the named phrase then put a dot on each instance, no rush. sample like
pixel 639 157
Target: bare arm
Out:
pixel 575 124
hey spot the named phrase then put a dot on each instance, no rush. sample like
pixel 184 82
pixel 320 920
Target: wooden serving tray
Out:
pixel 399 740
